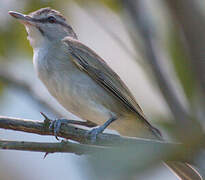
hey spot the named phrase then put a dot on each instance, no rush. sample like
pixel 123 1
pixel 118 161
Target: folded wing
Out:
pixel 87 60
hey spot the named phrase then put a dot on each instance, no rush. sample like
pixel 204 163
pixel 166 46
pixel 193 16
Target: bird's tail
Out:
pixel 130 126
pixel 184 171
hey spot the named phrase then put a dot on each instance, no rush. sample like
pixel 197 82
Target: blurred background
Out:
pixel 121 37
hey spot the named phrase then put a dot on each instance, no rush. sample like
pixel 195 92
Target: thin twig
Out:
pixel 68 131
pixel 106 143
pixel 63 146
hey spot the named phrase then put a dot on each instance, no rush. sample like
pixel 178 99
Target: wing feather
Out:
pixel 88 61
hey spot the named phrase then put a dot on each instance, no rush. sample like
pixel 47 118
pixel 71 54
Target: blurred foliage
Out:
pixel 13 35
pixel 33 5
pixel 114 5
pixel 166 124
pixel 12 30
pixel 13 39
pixel 13 42
pixel 7 44
pixel 1 87
pixel 181 65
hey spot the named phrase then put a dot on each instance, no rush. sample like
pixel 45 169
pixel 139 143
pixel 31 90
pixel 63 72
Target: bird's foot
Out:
pixel 94 132
pixel 56 124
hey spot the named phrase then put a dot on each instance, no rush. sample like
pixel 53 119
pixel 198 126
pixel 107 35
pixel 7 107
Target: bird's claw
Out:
pixel 55 125
pixel 93 133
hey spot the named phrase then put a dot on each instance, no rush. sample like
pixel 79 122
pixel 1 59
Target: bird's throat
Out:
pixel 35 36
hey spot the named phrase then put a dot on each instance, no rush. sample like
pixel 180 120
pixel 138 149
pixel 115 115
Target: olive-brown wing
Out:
pixel 88 61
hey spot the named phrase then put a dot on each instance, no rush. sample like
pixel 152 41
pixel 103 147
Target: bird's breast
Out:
pixel 74 89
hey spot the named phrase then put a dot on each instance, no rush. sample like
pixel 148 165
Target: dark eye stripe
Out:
pixel 42 20
pixel 46 20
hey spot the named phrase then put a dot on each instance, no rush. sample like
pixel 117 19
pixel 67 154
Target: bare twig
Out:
pixel 111 147
pixel 80 135
pixel 68 131
pixel 63 146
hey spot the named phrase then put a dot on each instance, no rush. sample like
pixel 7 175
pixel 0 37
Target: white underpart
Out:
pixel 75 90
pixel 34 36
pixel 71 87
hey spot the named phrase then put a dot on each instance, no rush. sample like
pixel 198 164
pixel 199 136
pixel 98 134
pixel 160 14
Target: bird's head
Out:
pixel 44 25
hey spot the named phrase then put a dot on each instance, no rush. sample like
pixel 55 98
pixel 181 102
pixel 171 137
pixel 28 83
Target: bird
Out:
pixel 83 83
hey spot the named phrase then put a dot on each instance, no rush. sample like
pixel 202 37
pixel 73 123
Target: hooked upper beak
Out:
pixel 24 19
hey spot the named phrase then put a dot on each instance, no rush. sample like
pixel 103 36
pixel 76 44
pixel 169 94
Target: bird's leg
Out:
pixel 95 131
pixel 56 124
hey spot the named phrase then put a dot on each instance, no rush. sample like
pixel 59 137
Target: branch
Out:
pixel 64 146
pixel 68 131
pixel 108 145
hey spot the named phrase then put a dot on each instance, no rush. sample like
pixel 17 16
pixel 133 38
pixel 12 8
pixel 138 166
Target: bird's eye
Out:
pixel 51 19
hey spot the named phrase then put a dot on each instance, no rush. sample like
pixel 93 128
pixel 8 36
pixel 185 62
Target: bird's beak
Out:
pixel 24 19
